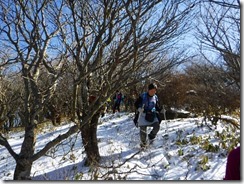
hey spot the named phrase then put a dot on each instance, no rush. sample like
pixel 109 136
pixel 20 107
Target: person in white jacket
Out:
pixel 148 109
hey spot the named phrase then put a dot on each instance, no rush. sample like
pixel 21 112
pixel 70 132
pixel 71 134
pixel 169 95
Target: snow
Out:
pixel 167 158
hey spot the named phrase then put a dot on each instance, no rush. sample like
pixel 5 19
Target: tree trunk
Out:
pixel 24 161
pixel 74 104
pixel 23 169
pixel 89 138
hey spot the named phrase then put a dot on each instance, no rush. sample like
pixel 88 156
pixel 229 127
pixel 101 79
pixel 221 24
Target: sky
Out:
pixel 121 156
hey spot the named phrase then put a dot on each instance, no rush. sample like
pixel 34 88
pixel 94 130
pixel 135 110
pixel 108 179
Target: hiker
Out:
pixel 117 101
pixel 105 107
pixel 148 109
pixel 233 165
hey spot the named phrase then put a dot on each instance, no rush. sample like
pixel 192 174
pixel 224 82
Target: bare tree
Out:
pixel 112 44
pixel 219 32
pixel 27 28
pixel 213 95
pixel 116 44
pixel 10 95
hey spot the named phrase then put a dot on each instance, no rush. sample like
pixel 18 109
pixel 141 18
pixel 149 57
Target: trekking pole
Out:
pixel 166 124
pixel 164 113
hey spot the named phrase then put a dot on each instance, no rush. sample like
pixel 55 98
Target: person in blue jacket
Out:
pixel 147 115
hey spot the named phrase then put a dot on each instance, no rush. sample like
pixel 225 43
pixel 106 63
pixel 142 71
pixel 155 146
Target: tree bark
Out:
pixel 89 138
pixel 74 104
pixel 24 161
pixel 22 169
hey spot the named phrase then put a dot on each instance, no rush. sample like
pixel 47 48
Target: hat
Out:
pixel 152 86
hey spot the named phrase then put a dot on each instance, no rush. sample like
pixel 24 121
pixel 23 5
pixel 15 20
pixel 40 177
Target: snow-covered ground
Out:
pixel 177 153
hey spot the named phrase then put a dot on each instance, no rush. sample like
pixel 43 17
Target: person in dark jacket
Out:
pixel 147 106
pixel 233 165
pixel 117 101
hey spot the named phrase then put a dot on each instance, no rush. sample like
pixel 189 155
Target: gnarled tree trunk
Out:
pixel 24 160
pixel 89 138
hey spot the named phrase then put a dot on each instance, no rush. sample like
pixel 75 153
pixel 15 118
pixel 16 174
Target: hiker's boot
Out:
pixel 143 145
pixel 151 138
